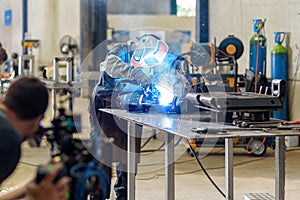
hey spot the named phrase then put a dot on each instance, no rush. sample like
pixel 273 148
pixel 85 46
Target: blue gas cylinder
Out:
pixel 279 70
pixel 258 48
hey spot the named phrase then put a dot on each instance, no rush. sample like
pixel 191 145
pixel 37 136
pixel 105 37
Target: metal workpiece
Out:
pixel 235 101
pixel 245 109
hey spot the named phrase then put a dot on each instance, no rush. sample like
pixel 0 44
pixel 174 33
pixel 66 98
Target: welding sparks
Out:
pixel 166 94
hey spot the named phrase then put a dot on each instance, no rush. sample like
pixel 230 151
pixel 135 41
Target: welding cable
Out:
pixel 153 150
pixel 147 141
pixel 254 150
pixel 177 162
pixel 160 147
pixel 198 170
pixel 256 67
pixel 203 169
pixel 225 54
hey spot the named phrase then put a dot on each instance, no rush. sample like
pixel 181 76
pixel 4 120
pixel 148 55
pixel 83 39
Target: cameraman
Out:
pixel 21 111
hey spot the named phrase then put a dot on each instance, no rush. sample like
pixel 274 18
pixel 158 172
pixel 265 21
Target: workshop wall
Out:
pixel 236 18
pixel 232 17
pixel 49 20
pixel 138 7
pixel 11 25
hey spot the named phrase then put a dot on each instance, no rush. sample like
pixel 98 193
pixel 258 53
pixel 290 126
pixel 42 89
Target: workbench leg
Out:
pixel 53 97
pixel 280 168
pixel 169 166
pixel 229 168
pixel 131 160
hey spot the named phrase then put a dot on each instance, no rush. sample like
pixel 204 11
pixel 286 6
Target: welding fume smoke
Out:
pixel 169 86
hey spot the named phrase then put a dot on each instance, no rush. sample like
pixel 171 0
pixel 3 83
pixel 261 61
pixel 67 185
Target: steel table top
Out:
pixel 182 124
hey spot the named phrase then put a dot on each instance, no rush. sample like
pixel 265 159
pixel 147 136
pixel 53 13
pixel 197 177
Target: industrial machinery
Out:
pixel 222 62
pixel 63 68
pixel 247 110
pixel 26 60
pixel 29 44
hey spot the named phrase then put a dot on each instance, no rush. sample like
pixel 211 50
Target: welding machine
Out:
pixel 221 57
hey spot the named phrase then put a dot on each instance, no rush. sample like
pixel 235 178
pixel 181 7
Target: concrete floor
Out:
pixel 251 174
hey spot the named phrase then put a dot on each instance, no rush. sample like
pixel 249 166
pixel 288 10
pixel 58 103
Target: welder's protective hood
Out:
pixel 149 52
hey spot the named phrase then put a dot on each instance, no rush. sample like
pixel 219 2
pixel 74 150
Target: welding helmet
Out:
pixel 150 51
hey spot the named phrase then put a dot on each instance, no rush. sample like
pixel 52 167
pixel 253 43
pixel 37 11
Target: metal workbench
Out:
pixel 181 125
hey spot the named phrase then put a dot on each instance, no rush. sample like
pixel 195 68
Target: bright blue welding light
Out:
pixel 166 94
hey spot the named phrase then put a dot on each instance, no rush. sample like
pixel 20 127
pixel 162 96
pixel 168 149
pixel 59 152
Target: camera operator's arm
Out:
pixel 17 192
pixel 47 189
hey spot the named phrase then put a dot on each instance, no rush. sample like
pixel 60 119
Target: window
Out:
pixel 186 8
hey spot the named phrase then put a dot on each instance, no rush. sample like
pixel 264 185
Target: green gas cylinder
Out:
pixel 279 70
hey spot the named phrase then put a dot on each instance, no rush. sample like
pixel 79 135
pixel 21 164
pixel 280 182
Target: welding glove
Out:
pixel 141 78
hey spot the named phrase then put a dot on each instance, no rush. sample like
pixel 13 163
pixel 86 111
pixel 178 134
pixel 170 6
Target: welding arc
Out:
pixel 203 169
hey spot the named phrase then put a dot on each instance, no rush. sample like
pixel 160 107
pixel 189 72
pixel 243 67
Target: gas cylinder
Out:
pixel 258 48
pixel 279 70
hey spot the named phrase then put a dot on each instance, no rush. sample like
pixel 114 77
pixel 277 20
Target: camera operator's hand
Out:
pixel 47 189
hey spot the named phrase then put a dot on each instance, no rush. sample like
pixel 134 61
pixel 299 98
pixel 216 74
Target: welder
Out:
pixel 142 63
